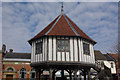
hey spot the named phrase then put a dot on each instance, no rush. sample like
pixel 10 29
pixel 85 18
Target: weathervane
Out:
pixel 62 8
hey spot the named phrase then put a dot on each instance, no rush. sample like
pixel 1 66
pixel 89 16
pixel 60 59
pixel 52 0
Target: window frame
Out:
pixel 88 50
pixel 63 45
pixel 22 70
pixel 39 50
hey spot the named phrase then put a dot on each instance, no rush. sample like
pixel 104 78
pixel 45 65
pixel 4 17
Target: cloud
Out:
pixel 22 21
pixel 0 24
pixel 60 0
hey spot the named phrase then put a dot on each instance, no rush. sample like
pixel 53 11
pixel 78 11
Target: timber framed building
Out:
pixel 63 46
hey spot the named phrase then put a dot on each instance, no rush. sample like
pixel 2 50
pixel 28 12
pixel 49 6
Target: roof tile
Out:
pixel 62 26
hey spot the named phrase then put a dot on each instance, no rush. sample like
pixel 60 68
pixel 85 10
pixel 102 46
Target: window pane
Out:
pixel 86 48
pixel 63 45
pixel 39 48
pixel 67 48
pixel 59 42
pixel 33 75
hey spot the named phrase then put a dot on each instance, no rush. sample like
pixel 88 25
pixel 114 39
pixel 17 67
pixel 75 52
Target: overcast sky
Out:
pixel 22 21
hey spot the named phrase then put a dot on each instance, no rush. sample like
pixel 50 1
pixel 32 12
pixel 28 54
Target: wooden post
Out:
pixel 53 76
pixel 80 75
pixel 39 74
pixel 75 74
pixel 84 74
pixel 62 71
pixel 50 74
pixel 89 74
pixel 70 73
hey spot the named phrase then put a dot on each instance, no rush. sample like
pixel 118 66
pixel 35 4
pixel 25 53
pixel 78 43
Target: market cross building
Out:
pixel 62 45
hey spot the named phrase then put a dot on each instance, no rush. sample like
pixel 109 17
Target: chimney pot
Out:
pixel 4 48
pixel 11 50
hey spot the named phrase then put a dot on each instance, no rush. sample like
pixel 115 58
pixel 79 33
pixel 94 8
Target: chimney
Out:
pixel 10 50
pixel 4 48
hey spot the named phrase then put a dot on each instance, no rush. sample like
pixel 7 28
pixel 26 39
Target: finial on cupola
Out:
pixel 62 8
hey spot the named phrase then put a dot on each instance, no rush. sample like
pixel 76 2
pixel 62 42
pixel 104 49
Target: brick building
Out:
pixel 0 65
pixel 117 58
pixel 16 65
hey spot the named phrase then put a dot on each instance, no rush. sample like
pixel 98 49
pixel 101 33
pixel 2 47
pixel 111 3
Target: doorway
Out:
pixel 9 77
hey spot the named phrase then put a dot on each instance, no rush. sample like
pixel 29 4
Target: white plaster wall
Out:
pixel 78 46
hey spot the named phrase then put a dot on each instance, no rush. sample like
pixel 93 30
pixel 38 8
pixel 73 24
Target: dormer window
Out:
pixel 63 45
pixel 39 47
pixel 86 49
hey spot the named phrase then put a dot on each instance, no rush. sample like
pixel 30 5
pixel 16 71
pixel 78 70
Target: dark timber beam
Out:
pixel 75 74
pixel 70 75
pixel 84 74
pixel 62 71
pixel 80 75
pixel 89 74
pixel 50 74
pixel 40 72
pixel 53 76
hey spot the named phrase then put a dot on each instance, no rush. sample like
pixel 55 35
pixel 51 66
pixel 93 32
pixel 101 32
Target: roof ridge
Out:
pixel 53 25
pixel 71 26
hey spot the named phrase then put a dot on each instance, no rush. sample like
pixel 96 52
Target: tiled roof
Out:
pixel 115 56
pixel 109 58
pixel 99 55
pixel 62 26
pixel 18 55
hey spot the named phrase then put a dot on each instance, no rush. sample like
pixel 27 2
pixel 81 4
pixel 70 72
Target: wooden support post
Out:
pixel 75 74
pixel 84 74
pixel 89 75
pixel 70 73
pixel 62 71
pixel 39 74
pixel 50 74
pixel 53 76
pixel 80 75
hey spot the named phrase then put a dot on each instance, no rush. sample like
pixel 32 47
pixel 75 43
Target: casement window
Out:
pixel 22 75
pixel 86 49
pixel 39 47
pixel 63 45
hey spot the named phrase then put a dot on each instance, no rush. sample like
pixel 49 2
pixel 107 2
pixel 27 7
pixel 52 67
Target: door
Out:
pixel 9 77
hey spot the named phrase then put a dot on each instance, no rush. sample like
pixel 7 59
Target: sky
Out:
pixel 23 20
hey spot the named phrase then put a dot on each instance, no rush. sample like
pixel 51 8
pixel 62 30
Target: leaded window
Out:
pixel 39 47
pixel 22 75
pixel 63 45
pixel 86 49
